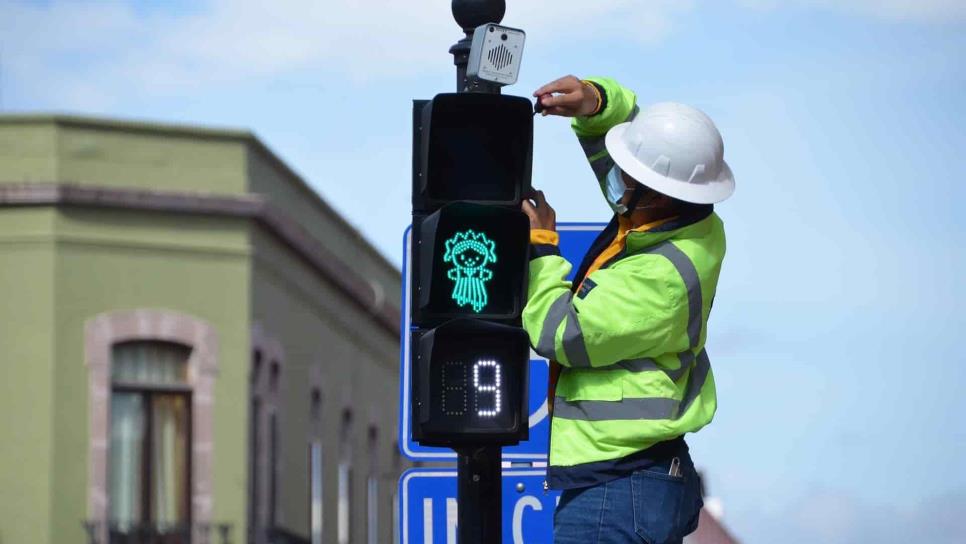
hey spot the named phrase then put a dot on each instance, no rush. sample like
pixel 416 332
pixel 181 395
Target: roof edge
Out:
pixel 320 202
pixel 332 268
pixel 195 131
pixel 130 125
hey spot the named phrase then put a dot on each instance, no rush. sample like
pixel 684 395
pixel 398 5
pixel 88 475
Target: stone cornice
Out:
pixel 255 207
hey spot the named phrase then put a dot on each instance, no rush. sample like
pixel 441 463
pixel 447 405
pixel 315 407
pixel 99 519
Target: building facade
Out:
pixel 195 345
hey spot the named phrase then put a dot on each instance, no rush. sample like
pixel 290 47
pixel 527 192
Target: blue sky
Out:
pixel 835 332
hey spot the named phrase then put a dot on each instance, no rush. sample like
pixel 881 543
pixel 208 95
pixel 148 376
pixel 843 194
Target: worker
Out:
pixel 630 375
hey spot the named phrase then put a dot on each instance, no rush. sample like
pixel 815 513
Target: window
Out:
pixel 266 428
pixel 273 464
pixel 372 488
pixel 345 479
pixel 345 501
pixel 150 415
pixel 315 469
pixel 315 491
pixel 254 447
pixel 152 376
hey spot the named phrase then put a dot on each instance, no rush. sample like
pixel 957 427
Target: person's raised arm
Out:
pixel 596 104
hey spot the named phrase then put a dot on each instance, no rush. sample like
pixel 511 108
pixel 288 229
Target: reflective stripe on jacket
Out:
pixel 632 339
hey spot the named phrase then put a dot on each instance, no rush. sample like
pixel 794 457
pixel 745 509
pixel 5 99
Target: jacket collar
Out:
pixel 675 228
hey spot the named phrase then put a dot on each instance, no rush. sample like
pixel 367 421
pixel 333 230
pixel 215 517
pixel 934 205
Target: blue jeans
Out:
pixel 648 506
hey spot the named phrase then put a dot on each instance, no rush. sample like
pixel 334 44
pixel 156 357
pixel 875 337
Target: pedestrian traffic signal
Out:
pixel 471 171
pixel 470 384
pixel 469 260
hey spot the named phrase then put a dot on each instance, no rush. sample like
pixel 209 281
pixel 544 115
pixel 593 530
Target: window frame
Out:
pixel 101 333
pixel 267 388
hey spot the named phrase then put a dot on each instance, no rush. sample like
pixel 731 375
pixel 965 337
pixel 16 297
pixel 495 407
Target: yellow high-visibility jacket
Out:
pixel 631 339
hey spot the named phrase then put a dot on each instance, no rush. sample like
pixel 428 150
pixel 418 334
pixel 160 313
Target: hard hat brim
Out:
pixel 698 193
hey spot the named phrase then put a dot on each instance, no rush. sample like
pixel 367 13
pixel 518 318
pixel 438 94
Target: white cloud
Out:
pixel 931 11
pixel 87 54
pixel 93 50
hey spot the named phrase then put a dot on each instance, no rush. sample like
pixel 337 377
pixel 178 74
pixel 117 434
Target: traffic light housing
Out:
pixel 473 147
pixel 470 383
pixel 470 260
pixel 470 358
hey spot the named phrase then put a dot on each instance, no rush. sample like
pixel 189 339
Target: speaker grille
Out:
pixel 500 57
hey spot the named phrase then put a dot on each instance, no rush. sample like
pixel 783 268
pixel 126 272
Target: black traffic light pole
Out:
pixel 470 14
pixel 479 488
pixel 479 494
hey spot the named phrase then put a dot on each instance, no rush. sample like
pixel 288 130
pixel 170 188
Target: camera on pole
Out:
pixel 472 154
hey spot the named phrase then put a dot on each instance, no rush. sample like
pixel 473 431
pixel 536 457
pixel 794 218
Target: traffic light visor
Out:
pixel 474 147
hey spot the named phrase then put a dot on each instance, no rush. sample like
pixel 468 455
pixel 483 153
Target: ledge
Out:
pixel 276 221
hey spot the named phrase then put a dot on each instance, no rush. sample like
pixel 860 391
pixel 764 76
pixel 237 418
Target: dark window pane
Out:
pixel 150 363
pixel 273 470
pixel 254 460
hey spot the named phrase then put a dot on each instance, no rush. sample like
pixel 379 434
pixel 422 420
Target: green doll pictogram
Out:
pixel 470 252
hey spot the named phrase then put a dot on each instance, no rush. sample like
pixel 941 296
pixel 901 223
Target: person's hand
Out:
pixel 573 97
pixel 540 213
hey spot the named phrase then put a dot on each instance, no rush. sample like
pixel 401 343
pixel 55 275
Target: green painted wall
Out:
pixel 26 391
pixel 122 154
pixel 116 260
pixel 147 160
pixel 28 152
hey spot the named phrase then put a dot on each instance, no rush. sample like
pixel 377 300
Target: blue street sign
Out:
pixel 428 507
pixel 575 240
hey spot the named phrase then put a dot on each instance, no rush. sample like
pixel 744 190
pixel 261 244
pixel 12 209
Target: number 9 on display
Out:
pixel 469 384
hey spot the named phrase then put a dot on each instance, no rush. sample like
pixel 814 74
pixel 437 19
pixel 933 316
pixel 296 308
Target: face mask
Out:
pixel 615 189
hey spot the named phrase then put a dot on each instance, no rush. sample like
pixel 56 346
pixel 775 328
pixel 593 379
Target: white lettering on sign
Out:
pixel 452 516
pixel 522 504
pixel 427 521
pixel 429 506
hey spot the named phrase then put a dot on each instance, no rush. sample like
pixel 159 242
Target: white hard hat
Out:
pixel 676 150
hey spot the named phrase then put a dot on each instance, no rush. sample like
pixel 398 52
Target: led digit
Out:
pixel 491 389
pixel 453 397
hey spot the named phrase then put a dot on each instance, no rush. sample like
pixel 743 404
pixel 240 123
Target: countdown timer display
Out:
pixel 482 396
pixel 470 380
